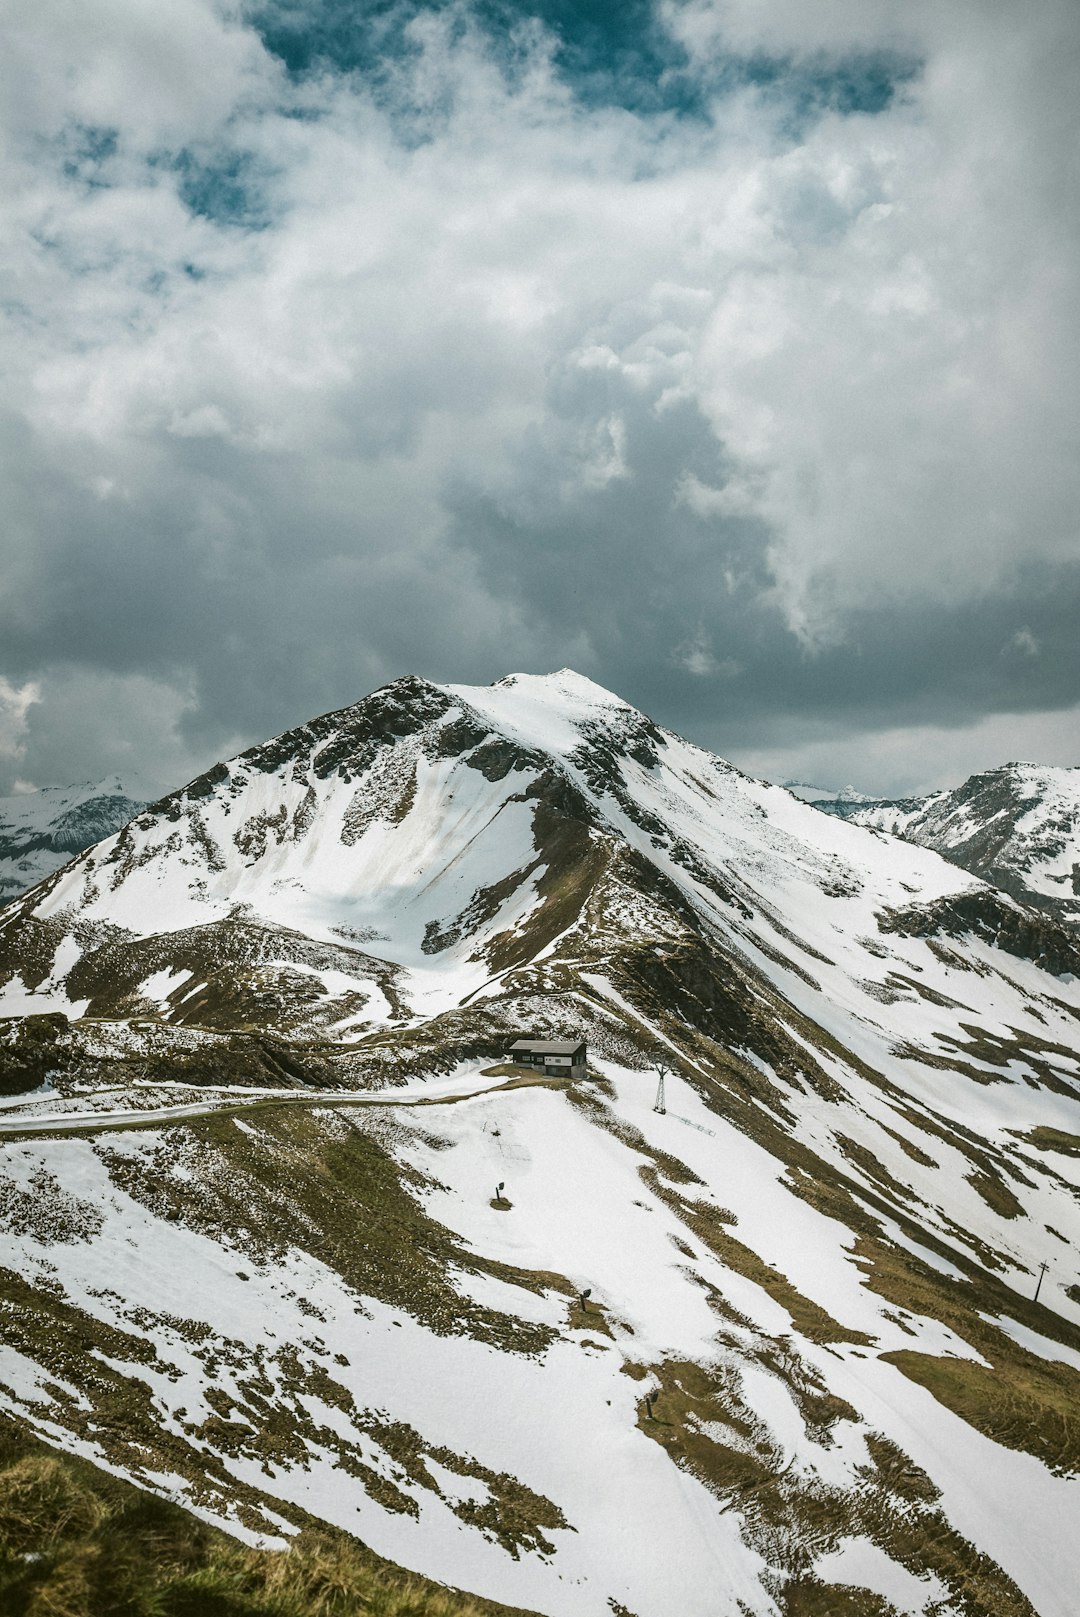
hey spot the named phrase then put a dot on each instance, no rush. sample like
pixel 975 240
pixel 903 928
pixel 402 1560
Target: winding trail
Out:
pixel 80 1123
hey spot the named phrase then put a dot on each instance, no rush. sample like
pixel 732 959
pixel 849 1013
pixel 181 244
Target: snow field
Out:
pixel 565 1424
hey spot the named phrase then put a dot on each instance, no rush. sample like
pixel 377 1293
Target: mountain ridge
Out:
pixel 41 830
pixel 1016 826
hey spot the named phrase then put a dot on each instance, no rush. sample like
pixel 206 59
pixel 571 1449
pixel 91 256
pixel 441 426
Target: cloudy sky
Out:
pixel 724 350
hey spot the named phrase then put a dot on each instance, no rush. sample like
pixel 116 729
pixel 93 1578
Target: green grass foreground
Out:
pixel 77 1542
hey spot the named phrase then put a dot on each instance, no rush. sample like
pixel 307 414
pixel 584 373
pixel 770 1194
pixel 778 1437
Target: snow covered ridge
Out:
pixel 381 865
pixel 40 831
pixel 1017 826
pixel 810 1374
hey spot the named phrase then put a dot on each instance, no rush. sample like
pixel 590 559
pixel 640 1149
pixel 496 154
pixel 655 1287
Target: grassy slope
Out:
pixel 77 1542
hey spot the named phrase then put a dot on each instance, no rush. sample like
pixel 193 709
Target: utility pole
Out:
pixel 663 1072
pixel 1042 1270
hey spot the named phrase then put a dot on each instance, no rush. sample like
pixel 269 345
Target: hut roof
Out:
pixel 553 1047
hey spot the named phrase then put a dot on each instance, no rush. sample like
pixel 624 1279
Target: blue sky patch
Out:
pixel 608 53
pixel 227 189
pixel 88 149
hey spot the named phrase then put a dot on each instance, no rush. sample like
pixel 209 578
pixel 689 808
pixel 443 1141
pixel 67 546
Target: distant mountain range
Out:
pixel 828 795
pixel 40 831
pixel 289 1241
pixel 1017 826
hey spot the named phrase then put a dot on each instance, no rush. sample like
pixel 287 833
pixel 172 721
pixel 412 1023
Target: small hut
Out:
pixel 555 1058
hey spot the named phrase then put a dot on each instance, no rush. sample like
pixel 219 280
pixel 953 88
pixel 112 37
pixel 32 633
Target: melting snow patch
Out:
pixel 1033 1341
pixel 158 987
pixel 22 1380
pixel 455 1488
pixel 858 1563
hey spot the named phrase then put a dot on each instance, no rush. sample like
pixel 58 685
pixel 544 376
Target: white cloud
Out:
pixel 895 379
pixel 15 704
pixel 1023 643
pixel 160 74
pixel 871 317
pixel 872 312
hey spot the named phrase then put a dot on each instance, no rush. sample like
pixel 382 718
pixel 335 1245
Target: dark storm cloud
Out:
pixel 674 604
pixel 268 594
pixel 720 350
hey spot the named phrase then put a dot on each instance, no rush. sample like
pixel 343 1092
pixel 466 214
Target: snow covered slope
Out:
pixel 1017 826
pixel 810 1375
pixel 39 831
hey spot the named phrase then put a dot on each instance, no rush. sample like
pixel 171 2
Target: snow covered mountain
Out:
pixel 772 1350
pixel 39 831
pixel 1017 826
pixel 842 800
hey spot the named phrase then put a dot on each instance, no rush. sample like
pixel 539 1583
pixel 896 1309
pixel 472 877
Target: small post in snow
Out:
pixel 584 1298
pixel 499 1188
pixel 1042 1270
pixel 659 1105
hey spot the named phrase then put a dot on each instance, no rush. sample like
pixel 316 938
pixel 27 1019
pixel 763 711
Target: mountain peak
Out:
pixel 553 711
pixel 1016 825
pixel 562 686
pixel 567 680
